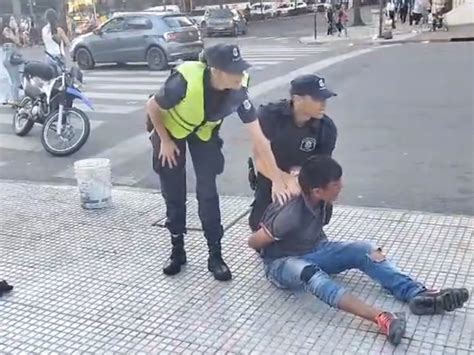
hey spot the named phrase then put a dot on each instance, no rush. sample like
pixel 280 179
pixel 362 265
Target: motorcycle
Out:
pixel 50 91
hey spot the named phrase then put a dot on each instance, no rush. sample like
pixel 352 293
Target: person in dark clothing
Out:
pixel 297 129
pixel 330 20
pixel 297 255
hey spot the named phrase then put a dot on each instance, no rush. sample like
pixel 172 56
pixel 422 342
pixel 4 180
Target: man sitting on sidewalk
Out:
pixel 297 255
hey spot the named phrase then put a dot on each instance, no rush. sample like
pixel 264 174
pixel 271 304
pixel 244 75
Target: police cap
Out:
pixel 226 57
pixel 311 85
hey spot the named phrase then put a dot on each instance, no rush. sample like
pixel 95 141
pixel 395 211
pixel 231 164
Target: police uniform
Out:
pixel 192 112
pixel 291 144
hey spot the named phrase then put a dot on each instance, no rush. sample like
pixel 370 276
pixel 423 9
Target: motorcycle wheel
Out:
pixel 50 125
pixel 22 125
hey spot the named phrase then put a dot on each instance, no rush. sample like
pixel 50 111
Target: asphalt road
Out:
pixel 404 113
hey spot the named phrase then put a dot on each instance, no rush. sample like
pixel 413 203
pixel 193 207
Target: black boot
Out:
pixel 178 256
pixel 216 264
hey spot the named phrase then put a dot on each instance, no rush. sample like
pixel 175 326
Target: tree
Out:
pixel 357 16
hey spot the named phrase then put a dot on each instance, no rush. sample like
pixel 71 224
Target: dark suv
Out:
pixel 154 38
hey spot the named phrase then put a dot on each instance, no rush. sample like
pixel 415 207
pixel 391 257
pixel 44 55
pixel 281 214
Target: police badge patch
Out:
pixel 308 144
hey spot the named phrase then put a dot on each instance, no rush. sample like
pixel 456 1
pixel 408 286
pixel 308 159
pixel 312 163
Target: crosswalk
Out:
pixel 118 91
pixel 125 91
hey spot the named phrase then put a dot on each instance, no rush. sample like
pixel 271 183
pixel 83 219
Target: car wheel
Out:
pixel 156 59
pixel 84 59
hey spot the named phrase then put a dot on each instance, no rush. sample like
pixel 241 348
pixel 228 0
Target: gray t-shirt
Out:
pixel 297 227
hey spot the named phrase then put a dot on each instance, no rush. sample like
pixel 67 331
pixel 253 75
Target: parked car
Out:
pixel 284 8
pixel 262 10
pixel 197 16
pixel 154 38
pixel 224 21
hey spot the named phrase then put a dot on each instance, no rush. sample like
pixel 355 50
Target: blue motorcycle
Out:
pixel 50 91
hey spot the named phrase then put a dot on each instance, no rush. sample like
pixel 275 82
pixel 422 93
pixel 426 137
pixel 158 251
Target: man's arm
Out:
pixel 261 145
pixel 260 239
pixel 171 94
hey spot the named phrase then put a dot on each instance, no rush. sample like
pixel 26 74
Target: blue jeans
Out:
pixel 333 258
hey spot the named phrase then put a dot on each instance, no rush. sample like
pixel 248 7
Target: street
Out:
pixel 404 115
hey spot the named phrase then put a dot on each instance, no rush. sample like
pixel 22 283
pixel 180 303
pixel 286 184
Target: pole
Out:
pixel 382 3
pixel 315 25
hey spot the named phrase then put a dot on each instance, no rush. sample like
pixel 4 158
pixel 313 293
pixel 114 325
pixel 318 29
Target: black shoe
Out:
pixel 178 256
pixel 216 264
pixel 393 325
pixel 5 287
pixel 438 301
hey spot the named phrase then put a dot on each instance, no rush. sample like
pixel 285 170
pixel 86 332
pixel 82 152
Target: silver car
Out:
pixel 155 38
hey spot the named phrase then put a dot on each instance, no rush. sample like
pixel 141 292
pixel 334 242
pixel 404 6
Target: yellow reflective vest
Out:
pixel 189 116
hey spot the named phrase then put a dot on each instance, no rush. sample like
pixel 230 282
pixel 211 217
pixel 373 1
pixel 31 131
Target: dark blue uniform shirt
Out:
pixel 218 104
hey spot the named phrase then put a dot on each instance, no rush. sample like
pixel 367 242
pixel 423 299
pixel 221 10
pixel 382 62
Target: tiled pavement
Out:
pixel 91 282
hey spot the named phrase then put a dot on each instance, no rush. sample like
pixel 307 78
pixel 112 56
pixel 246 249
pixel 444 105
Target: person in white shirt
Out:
pixel 391 13
pixel 54 37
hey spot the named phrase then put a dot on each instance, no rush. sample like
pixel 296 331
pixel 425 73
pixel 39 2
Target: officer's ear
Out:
pixel 297 100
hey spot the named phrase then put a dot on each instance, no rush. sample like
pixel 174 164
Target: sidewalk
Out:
pixel 91 281
pixel 403 34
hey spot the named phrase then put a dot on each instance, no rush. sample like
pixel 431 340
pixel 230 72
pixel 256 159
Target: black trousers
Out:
pixel 208 162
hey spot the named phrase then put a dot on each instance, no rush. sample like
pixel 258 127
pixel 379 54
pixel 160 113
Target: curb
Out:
pixel 394 41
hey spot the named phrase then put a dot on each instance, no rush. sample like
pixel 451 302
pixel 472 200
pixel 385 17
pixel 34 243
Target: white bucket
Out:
pixel 94 182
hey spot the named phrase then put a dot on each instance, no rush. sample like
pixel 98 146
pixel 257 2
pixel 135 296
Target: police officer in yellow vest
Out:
pixel 188 111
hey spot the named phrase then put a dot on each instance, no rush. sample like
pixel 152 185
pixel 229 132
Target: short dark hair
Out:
pixel 318 171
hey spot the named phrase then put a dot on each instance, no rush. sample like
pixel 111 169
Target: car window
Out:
pixel 114 25
pixel 197 12
pixel 138 23
pixel 177 21
pixel 220 13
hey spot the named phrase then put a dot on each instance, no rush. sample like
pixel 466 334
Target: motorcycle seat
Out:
pixel 41 70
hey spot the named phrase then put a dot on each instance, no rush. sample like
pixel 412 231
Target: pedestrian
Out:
pixel 5 90
pixel 403 11
pixel 390 10
pixel 54 38
pixel 330 20
pixel 11 61
pixel 188 111
pixel 342 20
pixel 297 129
pixel 297 255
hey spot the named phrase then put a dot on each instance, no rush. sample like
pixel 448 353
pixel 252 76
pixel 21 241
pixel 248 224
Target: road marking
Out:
pixel 151 88
pixel 116 96
pixel 112 109
pixel 100 79
pixel 139 144
pixel 127 72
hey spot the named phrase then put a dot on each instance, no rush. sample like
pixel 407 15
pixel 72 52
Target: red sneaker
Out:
pixel 392 325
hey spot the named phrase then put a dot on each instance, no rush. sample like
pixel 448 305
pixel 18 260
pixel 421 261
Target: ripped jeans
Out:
pixel 311 271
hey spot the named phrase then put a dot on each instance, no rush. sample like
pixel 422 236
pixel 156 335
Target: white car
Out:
pixel 265 10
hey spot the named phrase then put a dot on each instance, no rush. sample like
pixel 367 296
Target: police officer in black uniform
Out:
pixel 188 112
pixel 297 129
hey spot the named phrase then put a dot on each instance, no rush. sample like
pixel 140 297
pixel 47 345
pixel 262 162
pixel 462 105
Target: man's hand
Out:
pixel 292 184
pixel 280 191
pixel 168 153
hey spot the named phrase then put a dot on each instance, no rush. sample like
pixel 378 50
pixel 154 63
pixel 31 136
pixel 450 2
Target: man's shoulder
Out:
pixel 285 212
pixel 273 110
